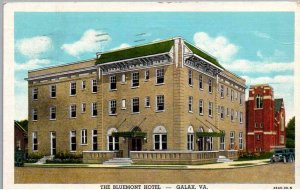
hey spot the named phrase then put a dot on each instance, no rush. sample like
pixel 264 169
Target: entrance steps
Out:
pixel 118 161
pixel 223 159
pixel 43 160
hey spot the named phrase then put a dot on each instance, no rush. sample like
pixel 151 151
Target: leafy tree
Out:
pixel 24 124
pixel 290 133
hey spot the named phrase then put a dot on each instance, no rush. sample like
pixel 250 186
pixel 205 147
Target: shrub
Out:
pixel 254 156
pixel 66 158
pixel 33 157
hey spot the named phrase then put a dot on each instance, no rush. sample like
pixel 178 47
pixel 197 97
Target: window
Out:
pixel 34 141
pixel 257 137
pixel 83 86
pixel 73 111
pixel 52 113
pixel 160 103
pixel 123 79
pixel 231 95
pixel 112 142
pixel 95 139
pixel 72 88
pixel 147 101
pixel 227 91
pixel 259 101
pixel 190 77
pixel 241 98
pixel 222 112
pixel 222 91
pixel 94 109
pixel 112 82
pixel 201 107
pixel 34 115
pixel 135 106
pixel 83 136
pixel 222 142
pixel 241 141
pixel 232 115
pixel 112 107
pixel 190 104
pixel 281 122
pixel 209 141
pixel 160 141
pixel 147 75
pixel 241 117
pixel 231 140
pixel 135 79
pixel 255 125
pixel 200 82
pixel 190 138
pixel 160 76
pixel 236 95
pixel 35 93
pixel 261 125
pixel 53 91
pixel 83 107
pixel 123 104
pixel 209 85
pixel 73 140
pixel 94 86
pixel 236 115
pixel 210 109
pixel 281 139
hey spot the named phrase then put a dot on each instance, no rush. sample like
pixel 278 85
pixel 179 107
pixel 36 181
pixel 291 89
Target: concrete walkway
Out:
pixel 226 165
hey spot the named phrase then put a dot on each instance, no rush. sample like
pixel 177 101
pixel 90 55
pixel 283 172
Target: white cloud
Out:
pixel 90 41
pixel 282 86
pixel 261 34
pixel 259 54
pixel 279 79
pixel 21 105
pixel 219 47
pixel 247 66
pixel 33 47
pixel 31 64
pixel 123 45
pixel 20 84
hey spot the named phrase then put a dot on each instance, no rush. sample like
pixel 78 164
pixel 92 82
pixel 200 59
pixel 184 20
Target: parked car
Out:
pixel 283 155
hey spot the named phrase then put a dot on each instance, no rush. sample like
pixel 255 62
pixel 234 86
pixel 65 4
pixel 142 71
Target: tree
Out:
pixel 290 133
pixel 24 124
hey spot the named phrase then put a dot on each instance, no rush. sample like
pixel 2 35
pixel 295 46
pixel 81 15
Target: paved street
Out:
pixel 268 173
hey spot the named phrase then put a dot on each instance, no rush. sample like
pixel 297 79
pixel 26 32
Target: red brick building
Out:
pixel 265 123
pixel 21 140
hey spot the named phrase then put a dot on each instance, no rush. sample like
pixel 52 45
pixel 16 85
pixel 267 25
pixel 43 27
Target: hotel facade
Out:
pixel 166 100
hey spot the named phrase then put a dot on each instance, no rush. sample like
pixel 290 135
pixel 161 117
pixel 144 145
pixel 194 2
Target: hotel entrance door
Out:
pixel 136 144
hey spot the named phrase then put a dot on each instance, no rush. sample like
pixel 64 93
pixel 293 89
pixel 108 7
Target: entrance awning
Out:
pixel 129 134
pixel 210 134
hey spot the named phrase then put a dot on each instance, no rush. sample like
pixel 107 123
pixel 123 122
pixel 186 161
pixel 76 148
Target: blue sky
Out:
pixel 258 46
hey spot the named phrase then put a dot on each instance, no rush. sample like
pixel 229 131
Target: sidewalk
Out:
pixel 226 165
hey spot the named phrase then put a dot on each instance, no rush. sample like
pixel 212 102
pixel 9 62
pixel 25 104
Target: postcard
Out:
pixel 150 95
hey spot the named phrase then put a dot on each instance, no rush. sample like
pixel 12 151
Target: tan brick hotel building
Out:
pixel 165 98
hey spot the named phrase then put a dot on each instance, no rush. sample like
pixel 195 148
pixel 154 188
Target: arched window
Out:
pixel 259 101
pixel 200 141
pixel 112 142
pixel 209 141
pixel 160 138
pixel 190 138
